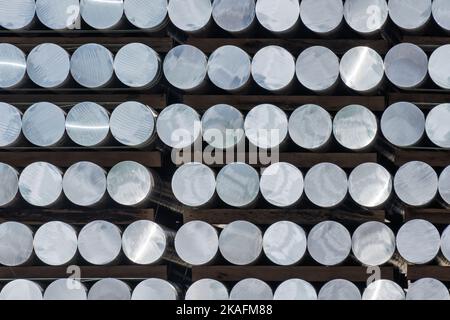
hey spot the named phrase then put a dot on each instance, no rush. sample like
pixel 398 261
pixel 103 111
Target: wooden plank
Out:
pixel 429 44
pixel 435 157
pixel 436 216
pixel 278 274
pixel 425 101
pixel 436 272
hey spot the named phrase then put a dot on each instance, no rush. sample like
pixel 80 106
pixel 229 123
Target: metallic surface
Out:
pixel 190 15
pixel 278 16
pixel 16 244
pixel 65 289
pixel 444 185
pixel 207 289
pixel 437 125
pixel 295 289
pixel 251 289
pixel 410 15
pixel 17 14
pixel 10 125
pixel 58 14
pixel 445 243
pixel 383 290
pixel 366 16
pixel 441 13
pixel 438 68
pixel 110 289
pixel 339 290
pixel 427 289
pixel 155 289
pixel 322 16
pixel 145 14
pixel 21 290
pixel 12 66
pixel 234 16
pixel 9 187
pixel 102 14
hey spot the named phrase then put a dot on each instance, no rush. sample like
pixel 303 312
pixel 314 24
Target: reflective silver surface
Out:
pixel 194 184
pixel 234 15
pixel 383 290
pixel 362 69
pixel 48 65
pixel 185 66
pixel 373 243
pixel 155 289
pixel 207 289
pixel 87 124
pixel 100 14
pixel 190 15
pixel 403 124
pixel 410 15
pixel 416 184
pixel 237 185
pixel 12 66
pixel 444 185
pixel 322 16
pixel 91 65
pixel 445 243
pixel 281 184
pixel 329 243
pixel 273 67
pixel 197 243
pixel 55 243
pixel 355 127
pixel 284 243
pixel 17 14
pixel 251 289
pixel 65 289
pixel 10 124
pixel 179 126
pixel 58 14
pixel 326 185
pixel 16 244
pixel 438 68
pixel 110 289
pixel 406 66
pixel 339 290
pixel 310 127
pixel 40 184
pixel 21 290
pixel 9 187
pixel 100 242
pixel 441 13
pixel 266 126
pixel 370 185
pixel 133 124
pixel 223 126
pixel 366 16
pixel 295 289
pixel 278 16
pixel 317 68
pixel 427 289
pixel 437 125
pixel 146 14
pixel 137 65
pixel 229 68
pixel 84 184
pixel 241 243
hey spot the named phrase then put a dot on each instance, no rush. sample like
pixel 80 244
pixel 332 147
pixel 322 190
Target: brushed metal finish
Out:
pixel 437 125
pixel 21 290
pixel 235 16
pixel 410 15
pixel 190 15
pixel 383 290
pixel 110 289
pixel 339 290
pixel 427 289
pixel 65 289
pixel 9 187
pixel 16 244
pixel 438 67
pixel 278 16
pixel 102 14
pixel 17 14
pixel 444 185
pixel 146 14
pixel 10 125
pixel 441 13
pixel 155 289
pixel 445 243
pixel 13 66
pixel 207 289
pixel 366 16
pixel 251 289
pixel 58 14
pixel 322 16
pixel 295 289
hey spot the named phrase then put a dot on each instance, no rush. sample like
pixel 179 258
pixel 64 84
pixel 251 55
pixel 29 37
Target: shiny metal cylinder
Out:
pixel 284 243
pixel 339 290
pixel 445 243
pixel 311 127
pixel 237 185
pixel 138 66
pixel 441 14
pixel 102 15
pixel 355 127
pixel 66 289
pixel 384 290
pixel 100 242
pixel 87 124
pixel 410 15
pixel 133 124
pixel 427 289
pixel 207 289
pixel 444 186
pixel 155 289
pixel 251 289
pixel 13 66
pixel 194 185
pixel 403 124
pixel 17 14
pixel 282 185
pixel 10 125
pixel 9 188
pixel 322 17
pixel 241 243
pixel 278 16
pixel 416 184
pixel 367 17
pixel 329 243
pixel 179 126
pixel 92 66
pixel 40 184
pixel 406 66
pixel 437 126
pixel 58 14
pixel 21 290
pixel 295 289
pixel 438 67
pixel 55 243
pixel 234 16
pixel 191 16
pixel 110 289
pixel 229 68
pixel 84 184
pixel 418 242
pixel 326 185
pixel 16 244
pixel 145 14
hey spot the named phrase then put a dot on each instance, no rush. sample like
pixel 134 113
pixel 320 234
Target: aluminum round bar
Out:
pixel 416 184
pixel 427 289
pixel 284 243
pixel 55 243
pixel 278 16
pixel 155 289
pixel 322 16
pixel 437 126
pixel 66 289
pixel 58 14
pixel 13 66
pixel 21 290
pixel 100 242
pixel 91 66
pixel 229 68
pixel 10 125
pixel 438 68
pixel 329 243
pixel 237 185
pixel 445 243
pixel 207 289
pixel 441 13
pixel 339 290
pixel 326 185
pixel 383 290
pixel 366 16
pixel 234 16
pixel 410 15
pixel 40 184
pixel 133 124
pixel 251 289
pixel 9 187
pixel 17 15
pixel 295 289
pixel 179 126
pixel 144 14
pixel 84 184
pixel 311 127
pixel 190 15
pixel 194 184
pixel 241 243
pixel 403 124
pixel 102 14
pixel 406 66
pixel 444 185
pixel 110 289
pixel 16 244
